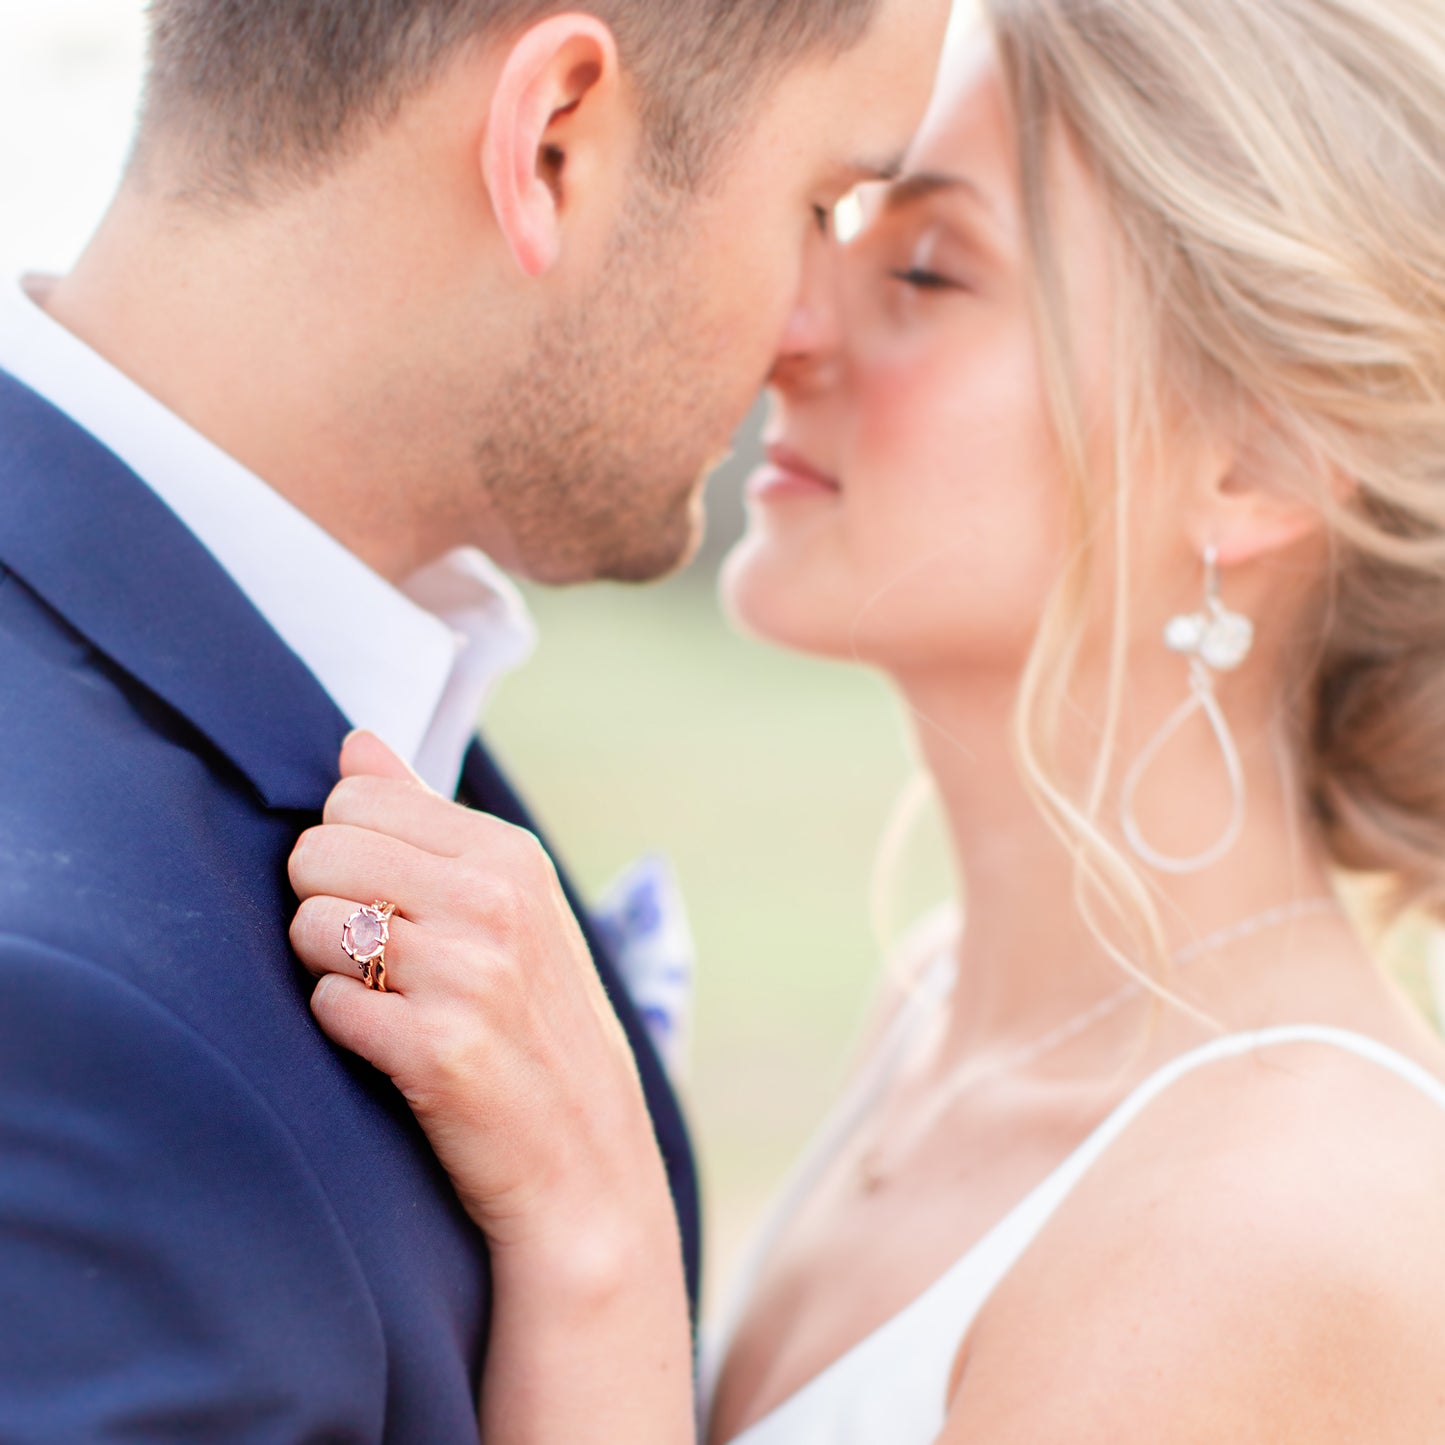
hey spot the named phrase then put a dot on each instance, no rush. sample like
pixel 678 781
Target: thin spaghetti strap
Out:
pixel 1363 1047
pixel 1231 1046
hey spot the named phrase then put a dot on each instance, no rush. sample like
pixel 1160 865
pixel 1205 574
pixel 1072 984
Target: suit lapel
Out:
pixel 485 788
pixel 83 532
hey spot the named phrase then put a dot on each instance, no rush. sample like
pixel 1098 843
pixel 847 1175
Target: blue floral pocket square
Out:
pixel 643 921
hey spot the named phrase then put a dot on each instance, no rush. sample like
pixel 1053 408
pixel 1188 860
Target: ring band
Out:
pixel 364 938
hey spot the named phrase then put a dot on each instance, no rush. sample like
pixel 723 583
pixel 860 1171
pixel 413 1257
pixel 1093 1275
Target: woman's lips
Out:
pixel 789 475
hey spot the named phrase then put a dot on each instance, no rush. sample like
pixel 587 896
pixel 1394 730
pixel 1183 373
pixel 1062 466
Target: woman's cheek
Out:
pixel 931 436
pixel 958 512
pixel 960 367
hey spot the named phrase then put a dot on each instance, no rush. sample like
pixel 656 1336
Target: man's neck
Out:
pixel 243 331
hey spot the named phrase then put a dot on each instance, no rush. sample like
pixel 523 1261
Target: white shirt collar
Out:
pixel 414 665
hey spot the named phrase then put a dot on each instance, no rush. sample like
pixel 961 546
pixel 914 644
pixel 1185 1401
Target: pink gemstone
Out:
pixel 364 933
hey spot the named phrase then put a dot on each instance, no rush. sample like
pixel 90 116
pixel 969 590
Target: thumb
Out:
pixel 363 754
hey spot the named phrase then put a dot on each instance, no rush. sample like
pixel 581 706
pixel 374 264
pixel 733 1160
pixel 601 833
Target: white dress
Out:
pixel 891 1389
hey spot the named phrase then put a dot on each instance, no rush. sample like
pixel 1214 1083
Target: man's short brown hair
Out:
pixel 283 86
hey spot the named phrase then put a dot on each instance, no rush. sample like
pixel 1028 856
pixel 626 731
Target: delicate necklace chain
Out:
pixel 1073 1028
pixel 1259 923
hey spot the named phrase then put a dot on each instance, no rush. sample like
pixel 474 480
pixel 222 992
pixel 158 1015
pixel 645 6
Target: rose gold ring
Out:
pixel 364 938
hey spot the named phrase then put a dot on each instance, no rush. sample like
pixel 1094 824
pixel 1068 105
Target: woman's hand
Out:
pixel 497 1030
pixel 496 1027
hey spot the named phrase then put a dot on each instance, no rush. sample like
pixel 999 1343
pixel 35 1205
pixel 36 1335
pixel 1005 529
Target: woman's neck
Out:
pixel 1028 960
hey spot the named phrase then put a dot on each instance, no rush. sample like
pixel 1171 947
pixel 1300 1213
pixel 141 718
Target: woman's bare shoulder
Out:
pixel 1257 1258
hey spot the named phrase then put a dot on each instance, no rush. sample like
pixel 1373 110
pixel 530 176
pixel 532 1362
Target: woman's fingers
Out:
pixel 407 810
pixel 346 862
pixel 364 754
pixel 375 1026
pixel 380 792
pixel 411 813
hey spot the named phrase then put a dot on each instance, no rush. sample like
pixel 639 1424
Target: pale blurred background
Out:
pixel 643 725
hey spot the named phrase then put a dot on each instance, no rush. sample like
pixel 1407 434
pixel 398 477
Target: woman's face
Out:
pixel 916 514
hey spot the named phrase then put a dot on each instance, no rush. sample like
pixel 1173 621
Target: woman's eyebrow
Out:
pixel 885 169
pixel 914 189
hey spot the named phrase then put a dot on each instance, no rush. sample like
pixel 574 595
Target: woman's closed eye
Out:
pixel 932 260
pixel 923 280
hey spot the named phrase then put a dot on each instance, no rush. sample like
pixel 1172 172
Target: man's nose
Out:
pixel 812 342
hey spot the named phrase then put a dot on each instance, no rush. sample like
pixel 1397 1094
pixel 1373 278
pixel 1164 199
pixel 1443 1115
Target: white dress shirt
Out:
pixel 413 664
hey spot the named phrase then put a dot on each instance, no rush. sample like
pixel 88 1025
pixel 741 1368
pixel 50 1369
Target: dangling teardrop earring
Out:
pixel 1214 640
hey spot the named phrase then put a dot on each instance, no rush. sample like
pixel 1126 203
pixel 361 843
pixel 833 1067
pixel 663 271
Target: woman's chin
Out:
pixel 770 597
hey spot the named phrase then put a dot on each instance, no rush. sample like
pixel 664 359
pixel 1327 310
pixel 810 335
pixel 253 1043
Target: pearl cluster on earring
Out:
pixel 1222 640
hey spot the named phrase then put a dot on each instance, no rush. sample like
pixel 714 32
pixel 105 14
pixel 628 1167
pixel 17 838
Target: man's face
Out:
pixel 632 396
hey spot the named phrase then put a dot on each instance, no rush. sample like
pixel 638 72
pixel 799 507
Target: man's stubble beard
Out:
pixel 595 461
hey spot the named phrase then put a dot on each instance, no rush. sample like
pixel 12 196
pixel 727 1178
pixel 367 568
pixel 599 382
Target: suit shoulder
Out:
pixel 158 1221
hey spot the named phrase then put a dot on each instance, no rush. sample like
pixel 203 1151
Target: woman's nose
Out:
pixel 812 342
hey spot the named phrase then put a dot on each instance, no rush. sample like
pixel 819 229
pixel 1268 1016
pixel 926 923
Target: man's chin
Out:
pixel 652 553
pixel 653 564
pixel 662 548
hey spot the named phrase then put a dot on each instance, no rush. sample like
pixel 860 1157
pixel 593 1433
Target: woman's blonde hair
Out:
pixel 1276 172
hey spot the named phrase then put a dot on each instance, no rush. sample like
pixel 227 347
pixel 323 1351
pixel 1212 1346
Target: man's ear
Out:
pixel 549 109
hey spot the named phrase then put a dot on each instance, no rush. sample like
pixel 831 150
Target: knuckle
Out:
pixel 306 927
pixel 459 892
pixel 511 892
pixel 527 865
pixel 528 854
pixel 303 854
pixel 536 861
pixel 440 1054
pixel 349 1016
pixel 346 798
pixel 505 883
pixel 451 1058
pixel 500 977
pixel 334 1007
pixel 505 903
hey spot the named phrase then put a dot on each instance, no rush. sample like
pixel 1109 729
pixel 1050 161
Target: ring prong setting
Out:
pixel 364 937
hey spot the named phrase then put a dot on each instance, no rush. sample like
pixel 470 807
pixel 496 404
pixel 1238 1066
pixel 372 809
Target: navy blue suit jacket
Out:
pixel 214 1226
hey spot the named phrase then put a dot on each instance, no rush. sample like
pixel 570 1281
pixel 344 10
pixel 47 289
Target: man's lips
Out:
pixel 787 474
